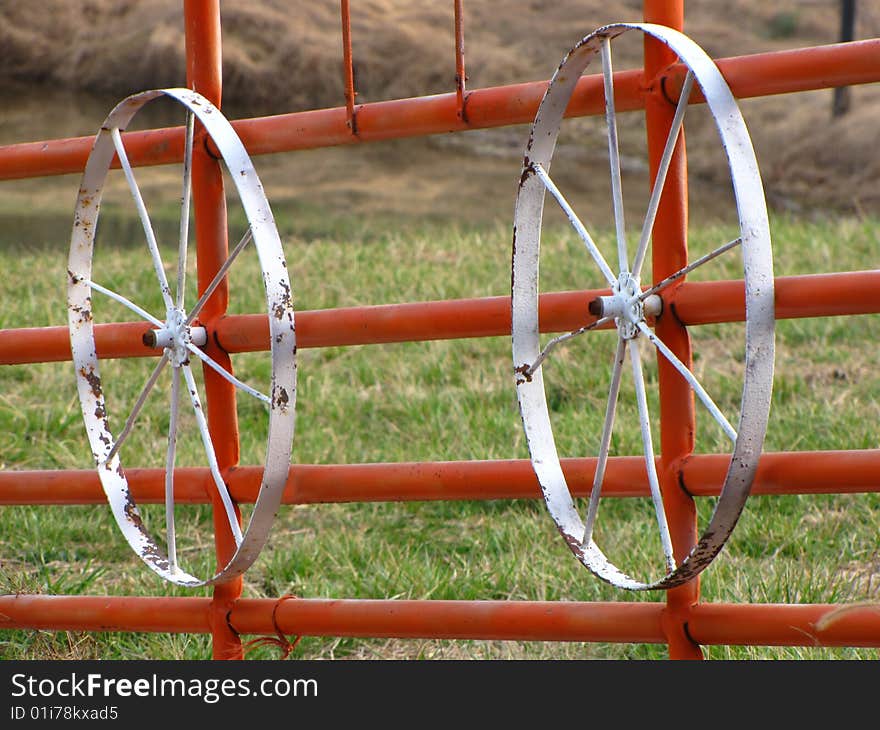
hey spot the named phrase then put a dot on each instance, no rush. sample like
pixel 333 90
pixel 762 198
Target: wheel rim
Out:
pixel 625 307
pixel 178 337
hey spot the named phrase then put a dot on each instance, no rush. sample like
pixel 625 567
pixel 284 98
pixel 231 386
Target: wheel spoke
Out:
pixel 605 443
pixel 692 381
pixel 138 405
pixel 687 269
pixel 144 216
pixel 530 370
pixel 614 156
pixel 662 170
pixel 202 422
pixel 185 197
pixel 210 362
pixel 576 223
pixel 171 538
pixel 218 277
pixel 648 447
pixel 140 311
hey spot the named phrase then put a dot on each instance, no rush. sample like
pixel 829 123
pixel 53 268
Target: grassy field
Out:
pixel 448 400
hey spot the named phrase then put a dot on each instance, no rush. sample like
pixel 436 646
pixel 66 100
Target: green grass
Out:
pixel 445 400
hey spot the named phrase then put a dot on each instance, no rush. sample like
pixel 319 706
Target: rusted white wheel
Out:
pixel 177 338
pixel 630 307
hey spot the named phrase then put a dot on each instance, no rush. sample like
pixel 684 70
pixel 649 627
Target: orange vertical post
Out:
pixel 204 74
pixel 677 418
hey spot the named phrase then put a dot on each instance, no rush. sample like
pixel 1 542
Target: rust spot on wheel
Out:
pixel 93 380
pixel 525 370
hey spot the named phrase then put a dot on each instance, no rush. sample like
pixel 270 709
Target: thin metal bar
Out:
pixel 841 97
pixel 138 405
pixel 650 463
pixel 460 76
pixel 576 223
pixel 144 216
pixel 140 311
pixel 563 338
pixel 684 271
pixel 171 536
pixel 348 69
pixel 208 444
pixel 704 397
pixel 660 179
pixel 210 362
pixel 218 277
pixel 185 198
pixel 614 157
pixel 605 442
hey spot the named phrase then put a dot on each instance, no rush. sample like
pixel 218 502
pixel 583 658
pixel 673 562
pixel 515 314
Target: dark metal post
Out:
pixel 841 102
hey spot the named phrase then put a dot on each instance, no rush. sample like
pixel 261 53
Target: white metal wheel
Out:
pixel 629 307
pixel 176 337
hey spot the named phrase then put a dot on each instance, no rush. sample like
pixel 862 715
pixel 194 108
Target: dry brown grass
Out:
pixel 285 55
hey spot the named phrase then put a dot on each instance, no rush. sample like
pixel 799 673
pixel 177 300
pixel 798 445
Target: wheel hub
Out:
pixel 626 305
pixel 175 336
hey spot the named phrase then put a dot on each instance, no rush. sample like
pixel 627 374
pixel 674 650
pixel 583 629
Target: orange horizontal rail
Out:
pixel 445 319
pixel 52 344
pixel 178 614
pixel 721 623
pixel 762 74
pixel 804 472
pixel 811 295
pixel 695 303
pixel 779 624
pixel 549 621
pixel 785 625
pixel 498 620
pixel 790 71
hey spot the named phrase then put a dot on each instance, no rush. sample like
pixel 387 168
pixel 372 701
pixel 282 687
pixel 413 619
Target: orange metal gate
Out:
pixel 682 622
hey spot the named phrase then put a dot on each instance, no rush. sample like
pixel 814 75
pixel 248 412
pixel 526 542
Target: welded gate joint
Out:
pixel 280 640
pixel 682 645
